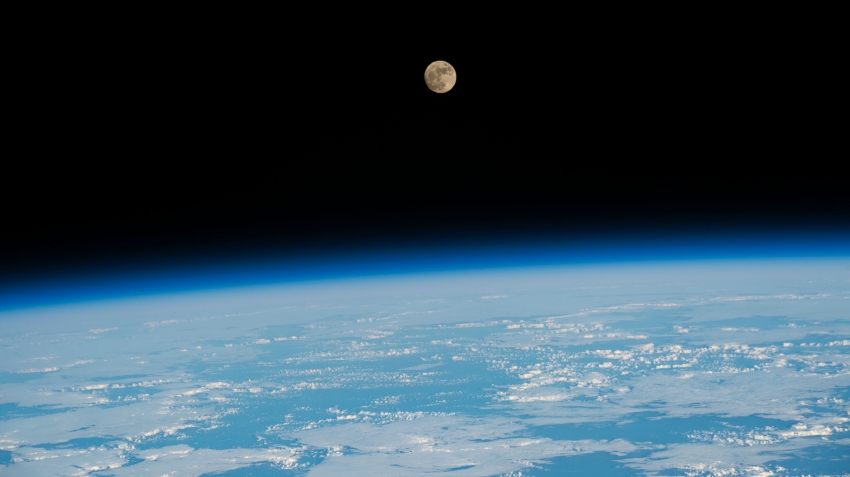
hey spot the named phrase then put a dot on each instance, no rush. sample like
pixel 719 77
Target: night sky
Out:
pixel 207 140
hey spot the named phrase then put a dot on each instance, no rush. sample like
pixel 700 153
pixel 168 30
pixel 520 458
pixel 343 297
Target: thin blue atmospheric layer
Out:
pixel 269 266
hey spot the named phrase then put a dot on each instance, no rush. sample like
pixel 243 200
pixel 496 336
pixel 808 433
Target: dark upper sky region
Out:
pixel 191 140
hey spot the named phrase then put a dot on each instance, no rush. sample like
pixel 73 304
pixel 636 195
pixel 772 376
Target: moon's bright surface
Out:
pixel 440 77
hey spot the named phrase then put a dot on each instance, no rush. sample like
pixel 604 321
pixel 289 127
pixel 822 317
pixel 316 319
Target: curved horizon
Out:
pixel 94 278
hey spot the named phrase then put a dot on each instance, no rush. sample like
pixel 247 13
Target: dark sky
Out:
pixel 158 137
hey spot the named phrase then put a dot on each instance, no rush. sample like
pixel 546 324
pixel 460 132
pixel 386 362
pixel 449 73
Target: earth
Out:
pixel 697 368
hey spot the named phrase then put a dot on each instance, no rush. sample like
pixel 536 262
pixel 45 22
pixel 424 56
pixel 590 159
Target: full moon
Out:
pixel 440 77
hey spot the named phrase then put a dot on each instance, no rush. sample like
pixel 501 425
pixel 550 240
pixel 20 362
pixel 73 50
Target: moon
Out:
pixel 440 77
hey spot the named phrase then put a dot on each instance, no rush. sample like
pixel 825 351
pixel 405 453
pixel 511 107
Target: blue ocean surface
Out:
pixel 681 366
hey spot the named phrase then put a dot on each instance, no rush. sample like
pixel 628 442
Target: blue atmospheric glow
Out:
pixel 288 266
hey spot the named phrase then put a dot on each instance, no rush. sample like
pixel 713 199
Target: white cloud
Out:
pixel 430 445
pixel 184 461
pixel 39 370
pixel 153 324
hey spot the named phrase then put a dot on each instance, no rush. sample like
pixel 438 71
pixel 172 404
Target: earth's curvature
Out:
pixel 659 368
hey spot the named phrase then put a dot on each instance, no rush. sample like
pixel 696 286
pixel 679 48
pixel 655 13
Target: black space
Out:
pixel 149 136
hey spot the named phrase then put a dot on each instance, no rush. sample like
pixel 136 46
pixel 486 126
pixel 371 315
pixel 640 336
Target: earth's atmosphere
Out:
pixel 736 367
